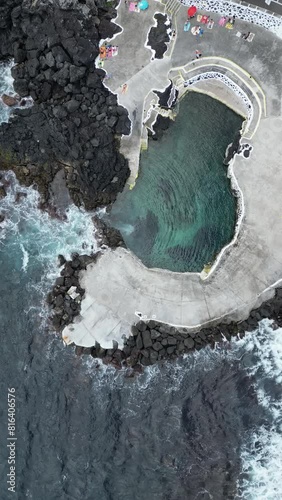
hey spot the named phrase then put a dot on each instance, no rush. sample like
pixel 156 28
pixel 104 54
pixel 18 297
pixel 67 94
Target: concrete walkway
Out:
pixel 119 289
pixel 135 67
pixel 154 75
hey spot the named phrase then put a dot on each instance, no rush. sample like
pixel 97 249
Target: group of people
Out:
pixel 228 22
pixel 231 20
pixel 198 30
pixel 106 51
pixel 224 21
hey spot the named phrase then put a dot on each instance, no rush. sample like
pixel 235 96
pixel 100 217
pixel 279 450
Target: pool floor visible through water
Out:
pixel 182 212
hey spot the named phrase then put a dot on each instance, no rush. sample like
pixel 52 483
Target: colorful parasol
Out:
pixel 143 5
pixel 192 11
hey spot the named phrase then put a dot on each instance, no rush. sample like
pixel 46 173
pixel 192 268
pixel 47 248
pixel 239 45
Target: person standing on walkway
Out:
pixel 232 20
pixel 200 33
pixel 198 54
pixel 245 36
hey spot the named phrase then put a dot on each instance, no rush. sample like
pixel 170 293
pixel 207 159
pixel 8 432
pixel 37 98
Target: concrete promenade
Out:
pixel 118 287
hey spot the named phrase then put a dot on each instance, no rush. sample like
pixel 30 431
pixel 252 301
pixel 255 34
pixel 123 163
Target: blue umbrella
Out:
pixel 143 5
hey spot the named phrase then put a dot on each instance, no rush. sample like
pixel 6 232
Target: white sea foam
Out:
pixel 42 238
pixel 262 462
pixel 6 87
pixel 39 239
pixel 262 451
pixel 126 228
pixel 25 257
pixel 260 356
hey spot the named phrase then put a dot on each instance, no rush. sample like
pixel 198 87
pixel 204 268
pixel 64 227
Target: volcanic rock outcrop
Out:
pixel 158 37
pixel 75 122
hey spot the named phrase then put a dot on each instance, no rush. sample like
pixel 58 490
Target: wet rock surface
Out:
pixel 75 122
pixel 233 149
pixel 167 98
pixel 106 235
pixel 10 100
pixel 161 124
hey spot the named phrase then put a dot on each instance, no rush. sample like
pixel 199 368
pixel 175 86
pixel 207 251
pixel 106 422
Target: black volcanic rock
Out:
pixel 158 36
pixel 107 235
pixel 6 40
pixel 66 295
pixel 168 98
pixel 54 45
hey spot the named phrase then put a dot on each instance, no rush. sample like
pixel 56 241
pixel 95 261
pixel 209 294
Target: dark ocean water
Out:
pixel 205 427
pixel 182 212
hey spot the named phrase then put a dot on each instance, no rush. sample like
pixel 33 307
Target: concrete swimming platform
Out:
pixel 119 288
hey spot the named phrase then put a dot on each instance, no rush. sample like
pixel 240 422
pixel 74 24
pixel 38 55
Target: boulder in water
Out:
pixel 19 196
pixel 61 260
pixel 2 192
pixel 9 100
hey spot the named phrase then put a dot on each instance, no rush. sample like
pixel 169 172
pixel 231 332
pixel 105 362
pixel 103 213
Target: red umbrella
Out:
pixel 192 11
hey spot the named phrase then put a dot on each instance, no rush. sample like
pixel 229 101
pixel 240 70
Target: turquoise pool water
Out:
pixel 182 211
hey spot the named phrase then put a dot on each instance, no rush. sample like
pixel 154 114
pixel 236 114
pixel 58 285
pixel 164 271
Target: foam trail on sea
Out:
pixel 262 452
pixel 258 356
pixel 36 238
pixel 25 257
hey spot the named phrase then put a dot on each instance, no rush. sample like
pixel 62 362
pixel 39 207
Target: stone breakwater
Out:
pixel 75 122
pixel 67 294
pixel 151 342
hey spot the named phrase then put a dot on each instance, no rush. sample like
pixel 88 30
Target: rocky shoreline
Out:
pixel 74 127
pixel 149 342
pixel 75 123
pixel 67 294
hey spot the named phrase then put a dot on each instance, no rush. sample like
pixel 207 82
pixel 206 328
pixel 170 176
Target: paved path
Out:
pixel 118 286
pixel 154 75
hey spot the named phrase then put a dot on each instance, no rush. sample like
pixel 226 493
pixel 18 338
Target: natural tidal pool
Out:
pixel 182 212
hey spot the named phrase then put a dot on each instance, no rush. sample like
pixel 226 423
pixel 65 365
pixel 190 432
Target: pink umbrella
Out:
pixel 192 11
